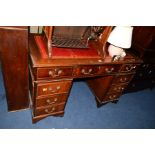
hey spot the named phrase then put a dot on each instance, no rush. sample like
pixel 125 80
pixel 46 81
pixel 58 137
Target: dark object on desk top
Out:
pixel 71 36
pixel 69 42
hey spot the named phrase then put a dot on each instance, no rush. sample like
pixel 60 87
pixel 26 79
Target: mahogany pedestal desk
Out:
pixel 51 79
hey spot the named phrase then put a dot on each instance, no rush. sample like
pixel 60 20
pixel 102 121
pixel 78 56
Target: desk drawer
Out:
pixel 55 87
pixel 129 68
pixel 54 72
pixel 96 70
pixel 109 69
pixel 49 110
pixel 86 70
pixel 51 100
pixel 123 78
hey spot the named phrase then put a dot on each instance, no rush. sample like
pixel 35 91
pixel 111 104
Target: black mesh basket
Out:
pixel 71 36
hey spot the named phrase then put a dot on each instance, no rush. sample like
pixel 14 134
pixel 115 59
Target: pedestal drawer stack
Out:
pixel 110 88
pixel 48 93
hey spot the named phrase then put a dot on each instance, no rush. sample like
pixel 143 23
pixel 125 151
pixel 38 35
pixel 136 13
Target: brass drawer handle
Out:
pixel 150 71
pixel 54 90
pixel 44 89
pixel 83 71
pixel 51 90
pixel 109 70
pixel 47 111
pixel 122 88
pixel 51 102
pixel 55 73
pixel 123 79
pixel 59 72
pixel 51 73
pixel 130 68
pixel 145 65
pixel 112 97
pixel 119 88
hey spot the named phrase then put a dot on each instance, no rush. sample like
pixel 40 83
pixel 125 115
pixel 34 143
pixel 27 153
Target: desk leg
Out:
pixel 99 104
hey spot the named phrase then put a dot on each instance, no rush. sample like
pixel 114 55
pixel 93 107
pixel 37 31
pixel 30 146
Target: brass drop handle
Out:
pixel 123 79
pixel 112 97
pixel 47 111
pixel 83 71
pixel 54 90
pixel 121 88
pixel 130 68
pixel 58 72
pixel 55 73
pixel 145 65
pixel 118 88
pixel 109 70
pixel 51 102
pixel 51 73
pixel 150 71
pixel 44 89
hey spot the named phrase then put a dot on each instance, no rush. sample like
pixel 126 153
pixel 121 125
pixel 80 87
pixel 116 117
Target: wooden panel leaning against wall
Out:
pixel 14 61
